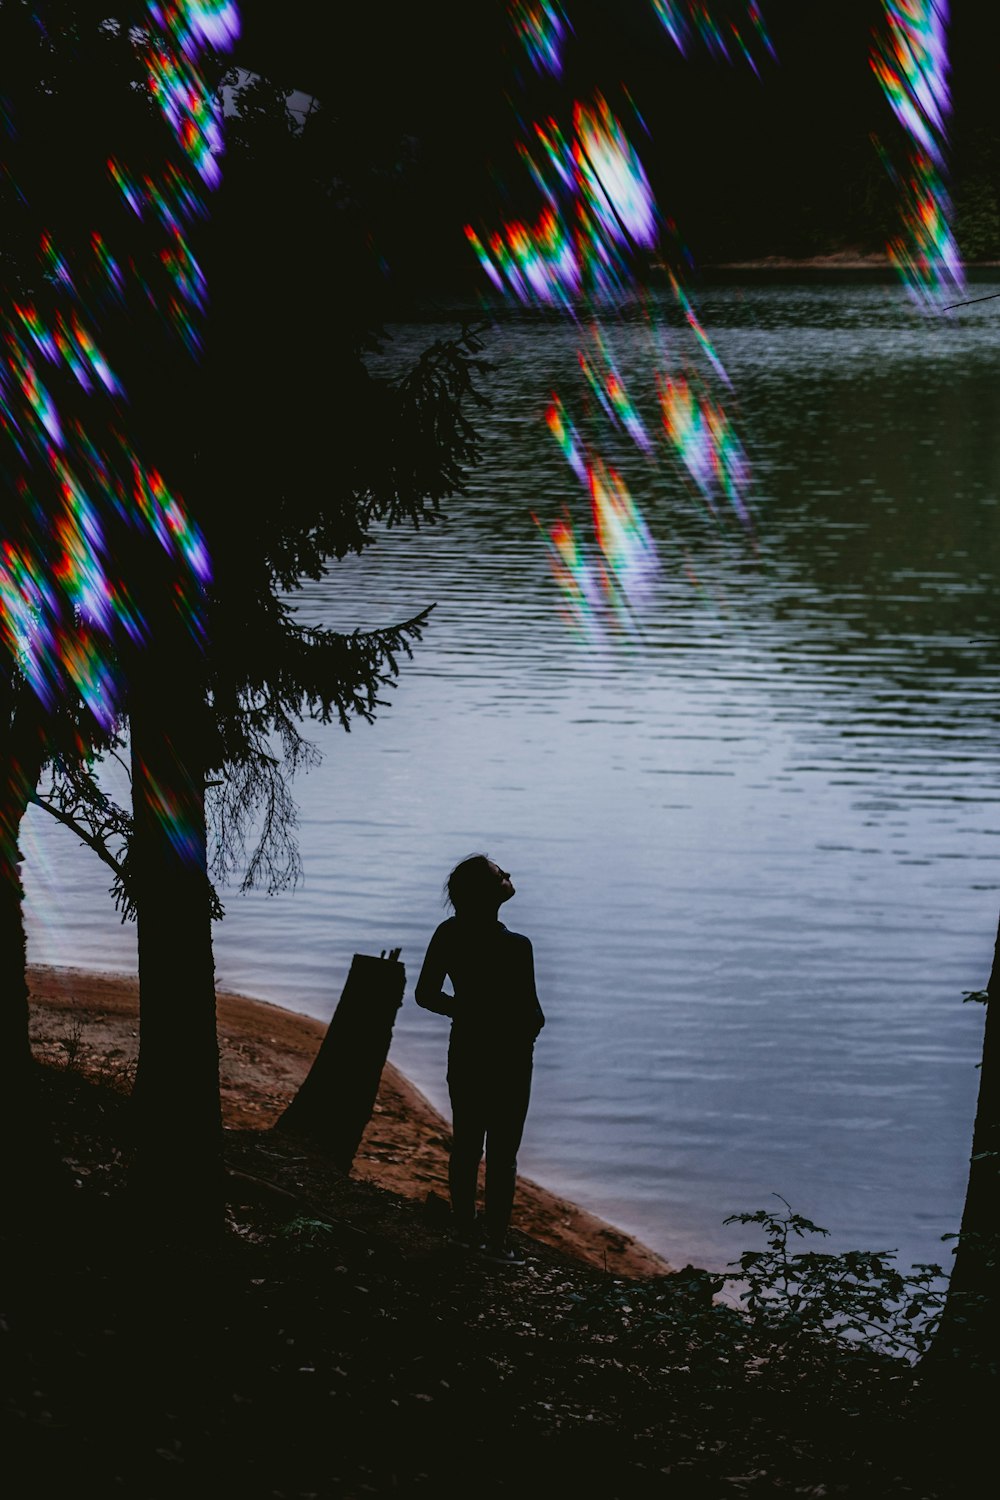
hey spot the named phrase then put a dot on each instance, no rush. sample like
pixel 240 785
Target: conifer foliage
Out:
pixel 244 423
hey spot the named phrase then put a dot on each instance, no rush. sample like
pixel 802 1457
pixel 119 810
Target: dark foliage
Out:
pixel 335 1345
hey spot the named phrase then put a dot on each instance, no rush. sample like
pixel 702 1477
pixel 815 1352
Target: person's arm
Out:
pixel 538 1019
pixel 429 990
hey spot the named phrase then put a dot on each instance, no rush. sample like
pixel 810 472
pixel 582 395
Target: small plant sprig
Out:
pixel 858 1296
pixel 305 1233
pixel 72 1044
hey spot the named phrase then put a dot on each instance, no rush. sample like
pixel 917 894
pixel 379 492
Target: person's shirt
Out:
pixel 492 974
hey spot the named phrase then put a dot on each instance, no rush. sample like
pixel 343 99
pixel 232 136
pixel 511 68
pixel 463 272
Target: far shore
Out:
pixel 875 261
pixel 838 260
pixel 92 1018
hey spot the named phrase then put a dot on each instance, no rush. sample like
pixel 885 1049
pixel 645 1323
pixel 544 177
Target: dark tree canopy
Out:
pixel 261 413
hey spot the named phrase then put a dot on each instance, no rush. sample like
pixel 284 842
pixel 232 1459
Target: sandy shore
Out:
pixel 265 1052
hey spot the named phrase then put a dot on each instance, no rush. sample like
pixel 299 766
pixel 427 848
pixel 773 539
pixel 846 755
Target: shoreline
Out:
pixel 834 260
pixel 90 1019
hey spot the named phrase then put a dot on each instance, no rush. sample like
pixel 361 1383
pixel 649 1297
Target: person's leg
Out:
pixel 467 1132
pixel 507 1108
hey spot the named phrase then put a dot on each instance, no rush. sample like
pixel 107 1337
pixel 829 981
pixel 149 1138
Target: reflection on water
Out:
pixel 755 841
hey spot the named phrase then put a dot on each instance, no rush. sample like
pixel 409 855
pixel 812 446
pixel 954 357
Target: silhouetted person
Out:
pixel 495 1017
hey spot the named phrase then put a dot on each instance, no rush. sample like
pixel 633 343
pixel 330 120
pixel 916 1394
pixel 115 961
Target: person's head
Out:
pixel 478 887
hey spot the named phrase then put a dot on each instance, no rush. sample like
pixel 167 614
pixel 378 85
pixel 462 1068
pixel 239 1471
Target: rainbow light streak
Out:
pixel 53 265
pixel 484 257
pixel 173 818
pixel 558 156
pixel 910 59
pixel 60 609
pixel 173 204
pixel 190 28
pixel 622 535
pixel 94 358
pixel 110 272
pixel 690 22
pixel 911 63
pixel 40 335
pixel 71 342
pixel 698 329
pixel 598 209
pixel 612 178
pixel 604 268
pixel 541 29
pixel 125 186
pixel 609 388
pixel 26 602
pixel 198 25
pixel 86 667
pixel 565 434
pixel 598 212
pixel 925 254
pixel 573 574
pixel 596 384
pixel 78 532
pixel 704 439
pixel 538 263
pixel 41 408
pixel 189 110
pixel 165 517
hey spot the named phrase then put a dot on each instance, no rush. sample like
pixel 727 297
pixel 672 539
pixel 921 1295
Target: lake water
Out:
pixel 755 837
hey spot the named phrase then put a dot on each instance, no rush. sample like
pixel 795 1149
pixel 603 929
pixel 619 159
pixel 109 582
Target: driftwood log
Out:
pixel 336 1099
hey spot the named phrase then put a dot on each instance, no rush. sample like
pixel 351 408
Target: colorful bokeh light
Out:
pixel 595 241
pixel 730 30
pixel 541 27
pixel 598 211
pixel 705 441
pixel 81 487
pixel 910 59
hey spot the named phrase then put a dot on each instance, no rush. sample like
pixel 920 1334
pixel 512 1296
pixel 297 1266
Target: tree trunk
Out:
pixel 29 1166
pixel 971 1322
pixel 177 1174
pixel 337 1097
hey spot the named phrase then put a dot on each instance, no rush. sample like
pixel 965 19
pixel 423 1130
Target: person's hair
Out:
pixel 469 882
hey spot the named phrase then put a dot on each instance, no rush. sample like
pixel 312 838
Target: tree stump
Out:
pixel 336 1099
